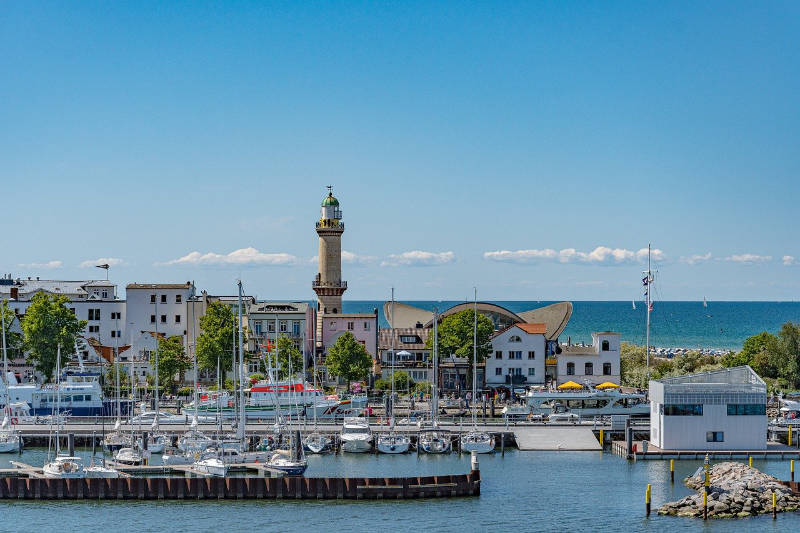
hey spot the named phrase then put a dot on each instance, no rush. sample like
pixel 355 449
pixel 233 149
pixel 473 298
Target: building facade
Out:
pixel 718 410
pixel 268 321
pixel 411 355
pixel 590 365
pixel 517 356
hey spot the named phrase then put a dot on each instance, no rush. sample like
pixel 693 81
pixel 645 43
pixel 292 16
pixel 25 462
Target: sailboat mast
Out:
pixel 5 355
pixel 475 356
pixel 647 303
pixel 390 414
pixel 155 404
pixel 435 398
pixel 240 427
pixel 194 357
pixel 314 364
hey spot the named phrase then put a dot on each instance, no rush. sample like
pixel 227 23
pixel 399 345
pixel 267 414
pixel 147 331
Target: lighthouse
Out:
pixel 328 283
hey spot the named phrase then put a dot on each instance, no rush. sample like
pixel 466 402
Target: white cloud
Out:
pixel 419 258
pixel 789 260
pixel 48 265
pixel 240 257
pixel 696 258
pixel 110 261
pixel 357 259
pixel 600 255
pixel 749 259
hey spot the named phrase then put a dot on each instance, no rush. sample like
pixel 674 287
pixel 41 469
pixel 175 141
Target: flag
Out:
pixel 644 281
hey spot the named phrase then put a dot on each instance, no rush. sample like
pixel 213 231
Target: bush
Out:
pixel 185 391
pixel 424 387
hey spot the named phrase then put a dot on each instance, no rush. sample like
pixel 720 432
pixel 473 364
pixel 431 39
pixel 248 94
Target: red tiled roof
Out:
pixel 532 328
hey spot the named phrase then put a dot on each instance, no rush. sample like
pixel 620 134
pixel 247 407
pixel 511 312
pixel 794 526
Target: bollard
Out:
pixel 750 461
pixel 474 461
pixel 602 439
pixel 647 501
pixel 790 436
pixel 791 468
pixel 672 470
pixel 774 506
pixel 502 445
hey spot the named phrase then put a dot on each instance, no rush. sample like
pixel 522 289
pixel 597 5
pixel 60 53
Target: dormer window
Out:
pixel 605 346
pixel 515 338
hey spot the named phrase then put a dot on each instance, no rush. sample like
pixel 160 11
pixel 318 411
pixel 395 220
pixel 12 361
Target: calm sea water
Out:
pixel 722 325
pixel 523 491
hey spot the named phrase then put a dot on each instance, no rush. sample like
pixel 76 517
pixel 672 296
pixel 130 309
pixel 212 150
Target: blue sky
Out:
pixel 529 148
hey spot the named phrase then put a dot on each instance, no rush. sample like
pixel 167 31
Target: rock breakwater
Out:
pixel 735 491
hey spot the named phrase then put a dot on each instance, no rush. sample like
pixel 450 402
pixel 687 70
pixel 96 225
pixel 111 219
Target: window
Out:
pixel 115 315
pixel 94 314
pixel 335 311
pixel 163 319
pixel 531 371
pixel 163 298
pixel 570 369
pixel 715 436
pixel 296 328
pixel 366 326
pixel 333 325
pixel 177 319
pixel 514 338
pixel 271 327
pixel 498 371
pixel 152 319
pixel 284 326
pixel 606 369
pixel 498 354
pixel 408 339
pixel 350 326
pixel 515 371
pixel 515 355
pixel 105 293
pixel 113 334
pixel 177 298
pixel 684 409
pixel 605 347
pixel 531 355
pixel 588 369
pixel 747 409
pixel 94 329
pixel 152 298
pixel 71 309
pixel 257 328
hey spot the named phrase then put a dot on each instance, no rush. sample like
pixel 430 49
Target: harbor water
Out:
pixel 521 491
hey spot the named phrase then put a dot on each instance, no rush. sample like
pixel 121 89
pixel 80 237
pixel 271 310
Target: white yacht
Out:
pixel 477 441
pixel 588 403
pixel 211 466
pixel 194 440
pixel 129 456
pixel 392 443
pixel 356 435
pixel 435 440
pixel 64 466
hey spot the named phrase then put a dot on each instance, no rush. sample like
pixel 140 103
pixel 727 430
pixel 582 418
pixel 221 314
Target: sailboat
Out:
pixel 66 466
pixel 132 454
pixel 633 304
pixel 392 442
pixel 705 302
pixel 117 439
pixel 10 439
pixel 434 439
pixel 316 442
pixel 474 440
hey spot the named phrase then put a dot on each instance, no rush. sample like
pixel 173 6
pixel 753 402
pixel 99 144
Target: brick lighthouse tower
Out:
pixel 328 283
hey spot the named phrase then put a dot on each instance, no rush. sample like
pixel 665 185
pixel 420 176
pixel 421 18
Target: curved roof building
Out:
pixel 555 316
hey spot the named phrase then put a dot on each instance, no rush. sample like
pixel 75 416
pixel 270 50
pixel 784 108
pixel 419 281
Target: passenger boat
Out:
pixel 789 413
pixel 588 403
pixel 356 435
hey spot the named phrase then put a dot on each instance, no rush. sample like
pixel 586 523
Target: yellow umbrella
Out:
pixel 607 385
pixel 569 385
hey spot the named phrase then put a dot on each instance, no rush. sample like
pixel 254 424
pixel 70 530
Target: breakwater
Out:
pixel 241 488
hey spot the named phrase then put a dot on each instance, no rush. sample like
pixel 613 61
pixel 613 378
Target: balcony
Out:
pixel 317 284
pixel 330 223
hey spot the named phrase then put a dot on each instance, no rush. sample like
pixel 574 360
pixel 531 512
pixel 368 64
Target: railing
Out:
pixel 330 223
pixel 316 284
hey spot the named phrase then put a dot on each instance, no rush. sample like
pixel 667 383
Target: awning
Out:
pixel 569 385
pixel 607 385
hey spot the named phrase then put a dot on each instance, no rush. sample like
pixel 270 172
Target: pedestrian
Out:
pixel 469 397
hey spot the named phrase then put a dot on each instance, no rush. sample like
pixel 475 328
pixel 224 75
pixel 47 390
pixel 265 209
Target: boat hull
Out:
pixel 356 445
pixel 10 445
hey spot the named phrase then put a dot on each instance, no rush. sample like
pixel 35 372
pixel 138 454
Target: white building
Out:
pixel 590 365
pixel 92 300
pixel 268 321
pixel 518 356
pixel 719 410
pixel 158 307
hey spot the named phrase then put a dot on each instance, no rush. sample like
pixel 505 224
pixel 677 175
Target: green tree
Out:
pixel 13 338
pixel 789 353
pixel 752 346
pixel 348 359
pixel 287 351
pixel 456 335
pixel 47 324
pixel 172 360
pixel 218 338
pixel 402 382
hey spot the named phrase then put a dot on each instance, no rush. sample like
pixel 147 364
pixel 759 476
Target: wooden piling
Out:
pixel 774 506
pixel 647 501
pixel 672 470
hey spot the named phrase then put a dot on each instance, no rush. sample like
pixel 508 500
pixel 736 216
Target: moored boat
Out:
pixel 356 436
